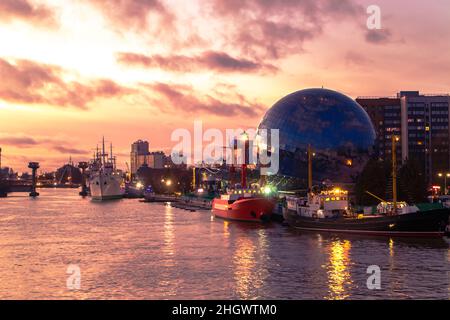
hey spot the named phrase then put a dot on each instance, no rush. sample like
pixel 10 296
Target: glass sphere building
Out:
pixel 338 129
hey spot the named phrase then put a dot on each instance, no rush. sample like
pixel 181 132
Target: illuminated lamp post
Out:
pixel 446 175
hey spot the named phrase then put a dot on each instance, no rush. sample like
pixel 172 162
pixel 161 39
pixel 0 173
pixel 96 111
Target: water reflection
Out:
pixel 250 265
pixel 169 235
pixel 167 282
pixel 133 250
pixel 391 247
pixel 338 272
pixel 244 265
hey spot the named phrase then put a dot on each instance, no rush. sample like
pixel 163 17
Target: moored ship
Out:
pixel 105 180
pixel 243 205
pixel 328 211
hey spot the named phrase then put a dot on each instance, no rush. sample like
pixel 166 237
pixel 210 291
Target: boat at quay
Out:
pixel 329 211
pixel 105 180
pixel 243 205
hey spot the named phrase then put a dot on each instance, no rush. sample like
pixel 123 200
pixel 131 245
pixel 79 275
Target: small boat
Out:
pixel 105 180
pixel 134 189
pixel 243 205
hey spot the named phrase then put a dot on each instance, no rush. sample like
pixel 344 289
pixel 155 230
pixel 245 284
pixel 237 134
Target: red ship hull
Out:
pixel 246 209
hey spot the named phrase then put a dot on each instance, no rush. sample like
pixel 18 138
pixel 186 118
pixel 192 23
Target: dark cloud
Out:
pixel 26 10
pixel 184 99
pixel 63 149
pixel 208 60
pixel 378 36
pixel 18 141
pixel 29 82
pixel 24 141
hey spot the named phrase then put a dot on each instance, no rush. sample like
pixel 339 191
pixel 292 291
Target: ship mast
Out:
pixel 394 172
pixel 245 159
pixel 111 158
pixel 309 168
pixel 103 150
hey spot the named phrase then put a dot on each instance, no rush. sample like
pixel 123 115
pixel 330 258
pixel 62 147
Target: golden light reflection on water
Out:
pixel 249 265
pixel 338 272
pixel 170 284
pixel 169 235
pixel 391 247
pixel 391 254
pixel 226 229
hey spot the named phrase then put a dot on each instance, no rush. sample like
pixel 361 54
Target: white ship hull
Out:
pixel 106 187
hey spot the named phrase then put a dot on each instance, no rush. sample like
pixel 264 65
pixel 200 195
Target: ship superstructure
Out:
pixel 105 180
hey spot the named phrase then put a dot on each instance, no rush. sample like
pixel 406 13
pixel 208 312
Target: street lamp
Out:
pixel 446 175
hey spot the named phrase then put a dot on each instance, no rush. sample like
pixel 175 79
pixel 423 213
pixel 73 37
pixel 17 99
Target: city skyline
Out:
pixel 138 70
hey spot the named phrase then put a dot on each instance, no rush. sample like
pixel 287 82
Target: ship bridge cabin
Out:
pixel 234 195
pixel 326 204
pixel 331 200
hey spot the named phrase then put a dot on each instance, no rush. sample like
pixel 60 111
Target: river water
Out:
pixel 127 249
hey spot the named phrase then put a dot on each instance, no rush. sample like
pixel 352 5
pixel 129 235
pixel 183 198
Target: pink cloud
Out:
pixel 184 99
pixel 136 14
pixel 208 60
pixel 33 83
pixel 275 29
pixel 26 10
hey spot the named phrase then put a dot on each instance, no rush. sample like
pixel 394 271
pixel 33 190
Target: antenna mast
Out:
pixel 103 150
pixel 394 172
pixel 309 169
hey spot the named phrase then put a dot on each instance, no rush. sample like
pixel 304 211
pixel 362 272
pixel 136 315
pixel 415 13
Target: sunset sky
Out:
pixel 74 70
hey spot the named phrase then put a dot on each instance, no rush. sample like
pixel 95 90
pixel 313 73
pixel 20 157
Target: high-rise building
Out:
pixel 139 155
pixel 385 113
pixel 421 121
pixel 156 160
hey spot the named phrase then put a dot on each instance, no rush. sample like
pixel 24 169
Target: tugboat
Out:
pixel 246 204
pixel 105 180
pixel 328 211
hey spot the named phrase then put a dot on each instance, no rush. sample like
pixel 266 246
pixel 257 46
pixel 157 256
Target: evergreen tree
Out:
pixel 411 182
pixel 374 179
